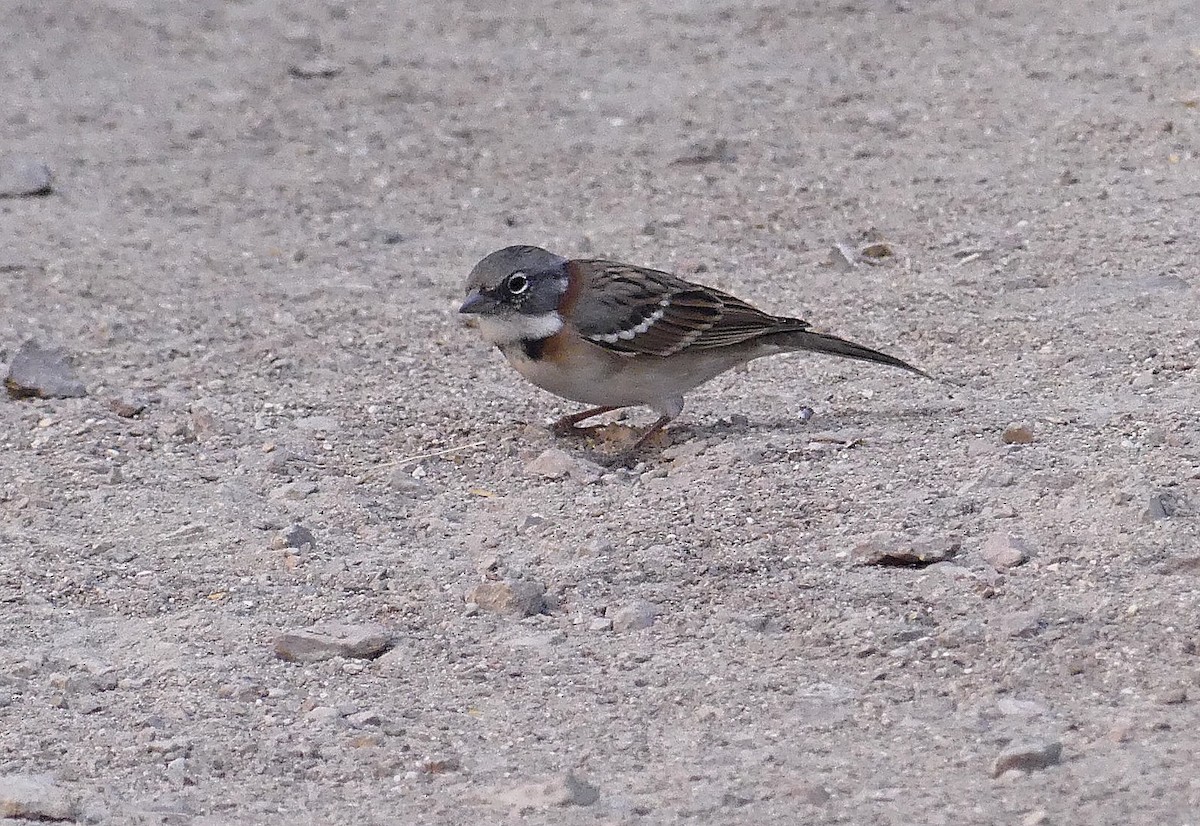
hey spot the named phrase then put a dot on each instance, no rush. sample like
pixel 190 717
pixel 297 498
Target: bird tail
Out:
pixel 834 346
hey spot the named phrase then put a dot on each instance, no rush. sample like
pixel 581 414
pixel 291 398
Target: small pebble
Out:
pixel 294 491
pixel 322 642
pixel 512 597
pixel 1004 551
pixel 127 407
pixel 1162 504
pixel 315 68
pixel 323 715
pixel 85 704
pixel 916 553
pixel 441 765
pixel 33 798
pixel 555 463
pixel 633 616
pixel 296 536
pixel 43 373
pixel 24 177
pixel 1017 434
pixel 1027 757
pixel 1022 624
pixel 1020 708
pixel 878 250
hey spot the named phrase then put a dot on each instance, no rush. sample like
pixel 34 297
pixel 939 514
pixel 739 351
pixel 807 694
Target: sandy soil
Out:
pixel 262 216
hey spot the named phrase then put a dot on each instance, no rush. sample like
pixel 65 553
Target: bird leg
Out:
pixel 566 425
pixel 626 457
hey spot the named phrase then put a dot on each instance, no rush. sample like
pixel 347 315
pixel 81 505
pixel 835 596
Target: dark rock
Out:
pixel 125 407
pixel 1163 504
pixel 42 373
pixel 297 536
pixel 1017 434
pixel 1028 757
pixel 878 250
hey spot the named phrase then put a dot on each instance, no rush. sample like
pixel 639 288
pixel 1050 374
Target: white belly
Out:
pixel 601 377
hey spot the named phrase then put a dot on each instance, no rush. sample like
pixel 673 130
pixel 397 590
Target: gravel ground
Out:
pixel 963 602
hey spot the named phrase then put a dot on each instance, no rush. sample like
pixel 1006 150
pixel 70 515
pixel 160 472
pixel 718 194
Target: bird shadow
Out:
pixel 814 424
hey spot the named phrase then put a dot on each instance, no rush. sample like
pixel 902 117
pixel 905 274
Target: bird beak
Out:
pixel 477 302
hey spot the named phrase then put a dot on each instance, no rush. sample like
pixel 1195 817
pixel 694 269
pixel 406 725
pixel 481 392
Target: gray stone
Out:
pixel 294 491
pixel 24 177
pixel 514 597
pixel 127 407
pixel 1003 551
pixel 916 553
pixel 315 424
pixel 315 67
pixel 1163 504
pixel 1012 707
pixel 1172 696
pixel 1022 623
pixel 1028 757
pixel 323 715
pixel 246 691
pixel 842 257
pixel 364 719
pixel 557 464
pixel 85 704
pixel 402 482
pixel 30 797
pixel 323 642
pixel 297 536
pixel 634 616
pixel 562 790
pixel 176 770
pixel 41 372
pixel 441 765
pixel 717 150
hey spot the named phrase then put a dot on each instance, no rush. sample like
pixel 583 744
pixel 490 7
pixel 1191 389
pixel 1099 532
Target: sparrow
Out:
pixel 615 335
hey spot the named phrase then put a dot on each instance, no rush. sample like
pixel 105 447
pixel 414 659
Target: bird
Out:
pixel 613 335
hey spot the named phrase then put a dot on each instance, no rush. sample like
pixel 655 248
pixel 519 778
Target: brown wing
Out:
pixel 637 310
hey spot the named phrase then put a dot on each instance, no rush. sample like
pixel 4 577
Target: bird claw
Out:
pixel 566 429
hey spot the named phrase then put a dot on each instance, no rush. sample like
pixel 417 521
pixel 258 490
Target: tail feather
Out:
pixel 834 346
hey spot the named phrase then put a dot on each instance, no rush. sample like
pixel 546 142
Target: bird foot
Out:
pixel 567 429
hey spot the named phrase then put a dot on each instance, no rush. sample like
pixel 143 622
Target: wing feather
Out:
pixel 637 310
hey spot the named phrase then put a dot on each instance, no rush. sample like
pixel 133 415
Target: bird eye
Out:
pixel 517 283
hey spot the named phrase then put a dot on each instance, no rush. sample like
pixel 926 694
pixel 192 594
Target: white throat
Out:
pixel 509 329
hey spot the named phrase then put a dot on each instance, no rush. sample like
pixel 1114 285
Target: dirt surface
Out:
pixel 261 218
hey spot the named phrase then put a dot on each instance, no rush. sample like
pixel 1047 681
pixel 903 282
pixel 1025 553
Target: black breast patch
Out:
pixel 534 348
